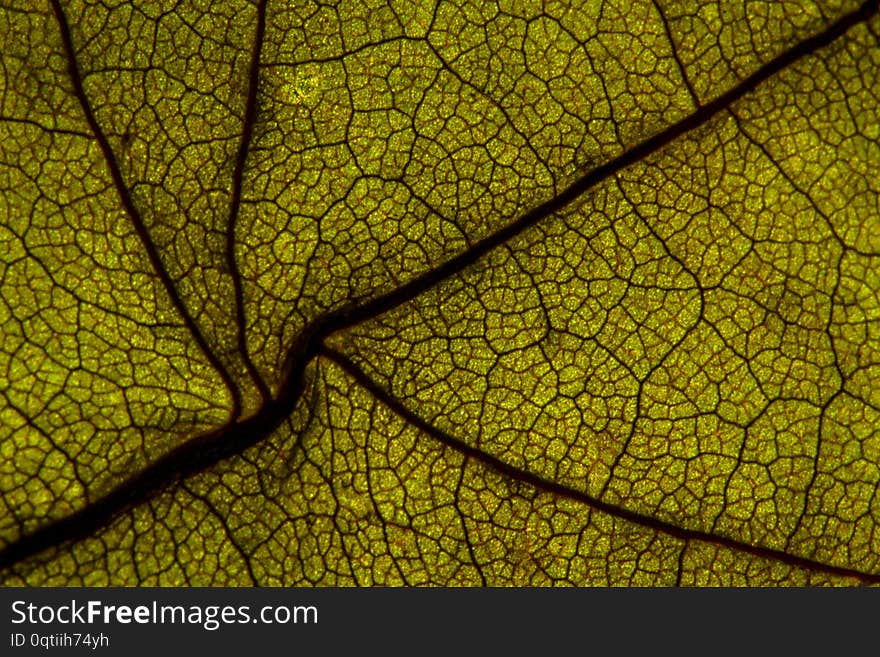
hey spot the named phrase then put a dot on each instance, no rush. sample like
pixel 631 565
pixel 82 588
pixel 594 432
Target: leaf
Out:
pixel 440 294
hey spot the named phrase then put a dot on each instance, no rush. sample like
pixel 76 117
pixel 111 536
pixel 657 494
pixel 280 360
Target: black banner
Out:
pixel 154 621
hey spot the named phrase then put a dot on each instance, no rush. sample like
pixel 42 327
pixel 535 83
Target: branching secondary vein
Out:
pixel 549 486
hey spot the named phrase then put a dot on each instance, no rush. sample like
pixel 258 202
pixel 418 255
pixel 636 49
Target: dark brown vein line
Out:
pixel 36 124
pixel 349 316
pixel 247 133
pixel 223 520
pixel 464 525
pixel 549 486
pixel 134 213
pixel 188 458
pixel 674 49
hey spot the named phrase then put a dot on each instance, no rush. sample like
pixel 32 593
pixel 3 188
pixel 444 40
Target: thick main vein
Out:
pixel 347 317
pixel 549 486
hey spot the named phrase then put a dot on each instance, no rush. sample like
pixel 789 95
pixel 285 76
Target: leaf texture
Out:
pixel 440 293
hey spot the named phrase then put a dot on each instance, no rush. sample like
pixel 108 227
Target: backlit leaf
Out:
pixel 441 293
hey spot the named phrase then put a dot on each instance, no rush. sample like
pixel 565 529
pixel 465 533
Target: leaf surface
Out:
pixel 440 293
